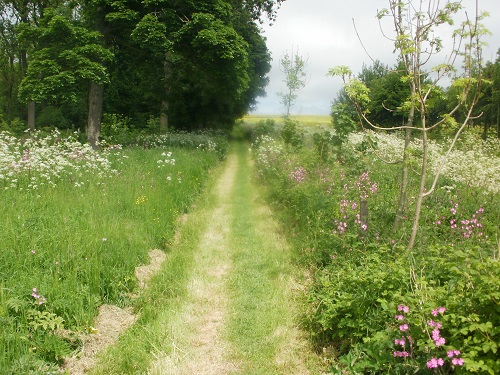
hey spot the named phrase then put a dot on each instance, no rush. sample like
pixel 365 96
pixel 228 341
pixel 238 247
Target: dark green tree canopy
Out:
pixel 199 62
pixel 68 55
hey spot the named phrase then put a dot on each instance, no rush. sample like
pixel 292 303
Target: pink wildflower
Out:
pixel 435 334
pixel 457 361
pixel 403 308
pixel 401 342
pixel 435 363
pixel 440 341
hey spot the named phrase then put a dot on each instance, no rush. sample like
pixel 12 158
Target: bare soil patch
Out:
pixel 110 322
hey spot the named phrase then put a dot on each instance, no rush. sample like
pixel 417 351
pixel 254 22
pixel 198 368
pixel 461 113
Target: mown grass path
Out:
pixel 237 313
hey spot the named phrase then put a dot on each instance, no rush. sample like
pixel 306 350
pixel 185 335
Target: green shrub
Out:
pixel 360 278
pixel 291 133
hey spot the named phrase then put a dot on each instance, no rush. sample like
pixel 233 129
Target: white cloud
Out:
pixel 323 31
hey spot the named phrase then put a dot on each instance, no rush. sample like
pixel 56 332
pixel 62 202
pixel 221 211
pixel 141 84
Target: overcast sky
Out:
pixel 323 31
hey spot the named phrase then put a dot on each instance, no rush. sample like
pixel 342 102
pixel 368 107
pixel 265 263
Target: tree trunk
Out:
pixel 498 121
pixel 404 176
pixel 31 116
pixel 398 220
pixel 421 191
pixel 96 93
pixel 164 116
pixel 164 103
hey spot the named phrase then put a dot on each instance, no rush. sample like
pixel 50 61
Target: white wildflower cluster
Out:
pixel 268 152
pixel 388 147
pixel 36 161
pixel 478 167
pixel 208 146
pixel 166 159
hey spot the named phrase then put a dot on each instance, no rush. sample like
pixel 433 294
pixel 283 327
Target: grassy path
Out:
pixel 233 309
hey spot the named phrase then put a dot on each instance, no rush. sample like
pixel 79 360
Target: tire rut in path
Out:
pixel 197 333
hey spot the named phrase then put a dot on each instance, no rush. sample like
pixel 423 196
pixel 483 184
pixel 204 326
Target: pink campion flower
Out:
pixel 434 324
pixel 442 309
pixel 457 361
pixel 440 341
pixel 399 317
pixel 404 327
pixel 435 363
pixel 403 308
pixel 401 342
pixel 435 334
pixel 432 363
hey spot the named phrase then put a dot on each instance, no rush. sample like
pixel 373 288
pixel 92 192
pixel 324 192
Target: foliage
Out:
pixel 76 224
pixel 291 133
pixel 360 277
pixel 416 42
pixel 57 67
pixel 192 64
pixel 293 65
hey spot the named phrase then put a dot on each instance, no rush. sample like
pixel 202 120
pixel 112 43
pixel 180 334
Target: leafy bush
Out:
pixel 362 276
pixel 291 133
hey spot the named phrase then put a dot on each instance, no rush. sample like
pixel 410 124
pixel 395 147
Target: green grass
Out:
pixel 261 310
pixel 161 303
pixel 79 246
pixel 236 232
pixel 305 120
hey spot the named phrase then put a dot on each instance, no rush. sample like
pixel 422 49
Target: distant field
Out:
pixel 310 120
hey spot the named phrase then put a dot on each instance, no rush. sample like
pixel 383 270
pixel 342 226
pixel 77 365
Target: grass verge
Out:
pixel 159 329
pixel 263 310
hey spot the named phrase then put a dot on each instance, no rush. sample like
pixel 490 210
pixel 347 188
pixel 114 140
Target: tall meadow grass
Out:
pixel 74 226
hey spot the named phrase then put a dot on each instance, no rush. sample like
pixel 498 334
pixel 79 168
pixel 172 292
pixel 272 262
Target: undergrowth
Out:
pixel 75 225
pixel 340 205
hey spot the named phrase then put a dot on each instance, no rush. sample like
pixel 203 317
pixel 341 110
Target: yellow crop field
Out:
pixel 306 120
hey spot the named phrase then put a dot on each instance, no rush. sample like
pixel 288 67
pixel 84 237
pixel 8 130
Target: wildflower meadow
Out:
pixel 375 305
pixel 76 223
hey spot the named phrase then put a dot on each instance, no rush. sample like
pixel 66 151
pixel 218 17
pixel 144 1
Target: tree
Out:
pixel 209 57
pixel 190 63
pixel 15 15
pixel 489 102
pixel 416 42
pixel 68 57
pixel 293 65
